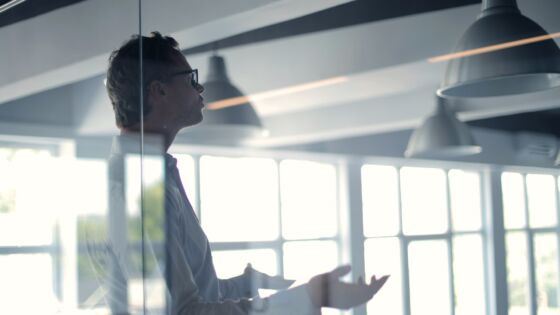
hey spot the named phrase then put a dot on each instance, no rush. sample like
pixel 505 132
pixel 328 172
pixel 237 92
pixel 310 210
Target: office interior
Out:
pixel 408 138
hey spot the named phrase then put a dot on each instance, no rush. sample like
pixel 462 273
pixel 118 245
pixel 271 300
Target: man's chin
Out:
pixel 194 122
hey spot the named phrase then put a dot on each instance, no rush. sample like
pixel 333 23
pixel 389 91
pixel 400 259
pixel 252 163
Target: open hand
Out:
pixel 260 280
pixel 327 290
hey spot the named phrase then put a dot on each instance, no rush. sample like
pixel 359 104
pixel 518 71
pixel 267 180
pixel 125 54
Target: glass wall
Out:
pixel 81 219
pixel 270 146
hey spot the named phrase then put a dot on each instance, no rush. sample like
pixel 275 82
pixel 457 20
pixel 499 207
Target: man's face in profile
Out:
pixel 181 101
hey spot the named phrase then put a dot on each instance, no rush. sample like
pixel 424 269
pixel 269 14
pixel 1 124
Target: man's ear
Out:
pixel 156 90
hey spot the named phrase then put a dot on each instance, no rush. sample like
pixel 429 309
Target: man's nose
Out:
pixel 199 88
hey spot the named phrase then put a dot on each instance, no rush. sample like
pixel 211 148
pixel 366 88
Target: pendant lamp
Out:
pixel 236 122
pixel 441 135
pixel 504 70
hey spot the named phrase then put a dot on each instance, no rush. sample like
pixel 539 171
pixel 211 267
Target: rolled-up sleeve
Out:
pixel 236 288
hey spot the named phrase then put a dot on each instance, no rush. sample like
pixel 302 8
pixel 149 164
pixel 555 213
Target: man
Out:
pixel 171 101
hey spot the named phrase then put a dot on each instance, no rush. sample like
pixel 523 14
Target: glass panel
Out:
pixel 424 200
pixel 91 227
pixel 185 164
pixel 542 200
pixel 232 263
pixel 466 212
pixel 380 198
pixel 305 259
pixel 239 199
pixel 308 197
pixel 27 209
pixel 429 278
pixel 546 265
pixel 468 275
pixel 383 257
pixel 27 284
pixel 513 194
pixel 517 268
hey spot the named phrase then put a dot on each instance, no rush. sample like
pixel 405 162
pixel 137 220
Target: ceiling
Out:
pixel 379 49
pixel 30 9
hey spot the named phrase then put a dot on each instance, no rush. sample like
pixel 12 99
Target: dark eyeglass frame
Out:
pixel 193 75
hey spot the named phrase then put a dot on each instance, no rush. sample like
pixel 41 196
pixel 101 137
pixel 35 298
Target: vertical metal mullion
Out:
pixel 485 212
pixel 450 244
pixel 495 246
pixel 404 251
pixel 350 197
pixel 530 254
pixel 557 234
pixel 197 187
pixel 280 246
pixel 56 256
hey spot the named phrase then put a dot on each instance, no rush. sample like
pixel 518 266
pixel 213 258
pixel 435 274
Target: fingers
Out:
pixel 278 283
pixel 377 284
pixel 340 271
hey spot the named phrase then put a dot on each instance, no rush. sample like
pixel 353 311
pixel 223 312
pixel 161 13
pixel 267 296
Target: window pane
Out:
pixel 231 263
pixel 239 199
pixel 309 201
pixel 429 278
pixel 468 275
pixel 27 284
pixel 29 197
pixel 465 200
pixel 518 281
pixel 542 200
pixel 546 263
pixel 383 257
pixel 303 260
pixel 513 194
pixel 380 199
pixel 424 200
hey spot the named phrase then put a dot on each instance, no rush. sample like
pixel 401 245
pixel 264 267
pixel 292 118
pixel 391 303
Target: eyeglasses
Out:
pixel 193 75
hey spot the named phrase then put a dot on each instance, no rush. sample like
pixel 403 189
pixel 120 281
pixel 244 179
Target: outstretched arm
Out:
pixel 327 289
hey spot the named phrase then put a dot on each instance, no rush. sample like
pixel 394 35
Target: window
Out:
pixel 423 226
pixel 239 199
pixel 28 221
pixel 531 223
pixel 266 212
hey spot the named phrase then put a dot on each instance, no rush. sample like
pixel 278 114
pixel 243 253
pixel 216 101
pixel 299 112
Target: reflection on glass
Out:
pixel 466 213
pixel 424 200
pixel 309 202
pixel 232 263
pixel 429 278
pixel 380 200
pixel 239 199
pixel 468 275
pixel 518 281
pixel 140 173
pixel 542 200
pixel 513 197
pixel 305 259
pixel 546 264
pixel 91 227
pixel 27 284
pixel 185 164
pixel 383 257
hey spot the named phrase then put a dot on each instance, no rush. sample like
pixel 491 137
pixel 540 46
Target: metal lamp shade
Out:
pixel 441 135
pixel 243 114
pixel 229 124
pixel 514 70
